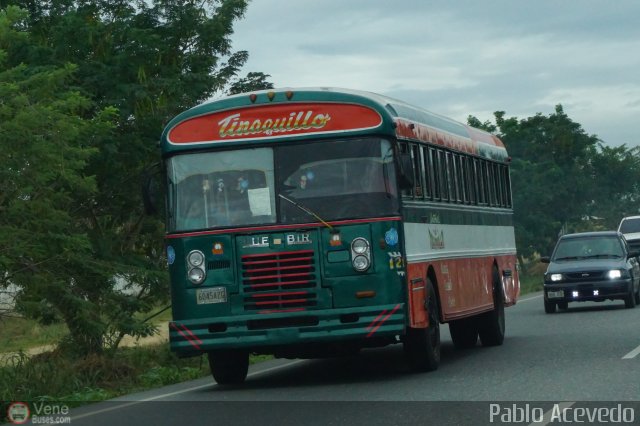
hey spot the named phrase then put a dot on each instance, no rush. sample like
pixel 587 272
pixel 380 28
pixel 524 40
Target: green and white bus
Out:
pixel 315 222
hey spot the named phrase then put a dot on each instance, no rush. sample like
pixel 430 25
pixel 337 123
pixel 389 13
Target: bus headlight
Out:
pixel 195 266
pixel 195 258
pixel 361 254
pixel 361 263
pixel 360 246
pixel 196 275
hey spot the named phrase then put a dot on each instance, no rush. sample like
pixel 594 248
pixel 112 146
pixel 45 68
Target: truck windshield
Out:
pixel 336 180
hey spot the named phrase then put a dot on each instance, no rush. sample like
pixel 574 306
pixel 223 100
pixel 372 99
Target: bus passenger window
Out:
pixel 417 171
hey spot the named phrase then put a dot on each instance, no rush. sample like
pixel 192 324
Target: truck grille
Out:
pixel 279 282
pixel 585 276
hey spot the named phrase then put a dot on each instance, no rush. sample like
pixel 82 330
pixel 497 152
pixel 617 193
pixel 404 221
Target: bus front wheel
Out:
pixel 422 345
pixel 229 367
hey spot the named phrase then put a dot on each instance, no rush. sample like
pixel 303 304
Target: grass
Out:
pixel 18 334
pixel 531 277
pixel 53 376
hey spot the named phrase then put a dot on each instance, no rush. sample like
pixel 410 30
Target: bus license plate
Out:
pixel 211 295
pixel 555 294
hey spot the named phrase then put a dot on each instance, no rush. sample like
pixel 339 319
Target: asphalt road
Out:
pixel 586 356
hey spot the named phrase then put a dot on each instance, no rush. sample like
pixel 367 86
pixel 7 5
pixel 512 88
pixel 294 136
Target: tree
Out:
pixel 45 140
pixel 144 61
pixel 616 185
pixel 252 82
pixel 552 173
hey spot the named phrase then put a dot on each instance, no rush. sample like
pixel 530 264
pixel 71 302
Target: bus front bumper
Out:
pixel 258 331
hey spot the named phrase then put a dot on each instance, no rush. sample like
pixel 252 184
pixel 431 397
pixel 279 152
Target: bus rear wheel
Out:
pixel 464 333
pixel 229 367
pixel 492 324
pixel 422 345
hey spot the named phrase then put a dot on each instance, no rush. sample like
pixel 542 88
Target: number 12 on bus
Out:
pixel 317 222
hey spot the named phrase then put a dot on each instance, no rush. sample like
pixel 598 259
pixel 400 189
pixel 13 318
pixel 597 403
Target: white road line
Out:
pixel 153 398
pixel 632 354
pixel 531 298
pixel 546 418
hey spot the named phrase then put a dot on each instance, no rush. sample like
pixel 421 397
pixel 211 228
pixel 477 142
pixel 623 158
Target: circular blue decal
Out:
pixel 171 255
pixel 391 237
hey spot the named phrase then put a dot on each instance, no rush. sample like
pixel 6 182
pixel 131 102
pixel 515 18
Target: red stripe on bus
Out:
pixel 274 254
pixel 286 293
pixel 278 268
pixel 263 277
pixel 382 321
pixel 281 302
pixel 372 324
pixel 282 227
pixel 269 261
pixel 276 311
pixel 278 283
pixel 192 339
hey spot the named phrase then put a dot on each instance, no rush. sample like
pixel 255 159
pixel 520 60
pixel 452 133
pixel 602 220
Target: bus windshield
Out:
pixel 336 180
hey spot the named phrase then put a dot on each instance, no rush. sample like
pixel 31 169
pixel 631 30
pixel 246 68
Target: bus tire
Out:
pixel 464 333
pixel 422 345
pixel 492 324
pixel 229 367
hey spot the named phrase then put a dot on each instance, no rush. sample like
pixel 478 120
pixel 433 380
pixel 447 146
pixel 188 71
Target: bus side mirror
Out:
pixel 151 189
pixel 406 172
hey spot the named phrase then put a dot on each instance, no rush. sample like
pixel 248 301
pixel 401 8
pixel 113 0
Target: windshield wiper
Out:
pixel 603 256
pixel 307 210
pixel 568 258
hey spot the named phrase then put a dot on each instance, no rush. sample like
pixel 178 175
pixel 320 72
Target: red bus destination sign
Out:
pixel 266 121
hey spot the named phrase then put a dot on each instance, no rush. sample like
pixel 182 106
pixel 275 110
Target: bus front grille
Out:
pixel 279 282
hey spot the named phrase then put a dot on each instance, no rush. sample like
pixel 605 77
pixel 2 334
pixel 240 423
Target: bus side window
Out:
pixel 418 175
pixel 404 149
pixel 434 173
pixel 427 173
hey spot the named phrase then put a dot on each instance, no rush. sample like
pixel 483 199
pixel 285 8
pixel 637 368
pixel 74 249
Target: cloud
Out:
pixel 459 58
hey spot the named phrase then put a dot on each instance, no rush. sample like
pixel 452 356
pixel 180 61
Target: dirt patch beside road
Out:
pixel 162 336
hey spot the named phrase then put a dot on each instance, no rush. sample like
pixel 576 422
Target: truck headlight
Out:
pixel 614 274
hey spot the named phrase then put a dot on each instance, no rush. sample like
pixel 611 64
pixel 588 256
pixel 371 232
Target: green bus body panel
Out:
pixel 334 290
pixel 397 118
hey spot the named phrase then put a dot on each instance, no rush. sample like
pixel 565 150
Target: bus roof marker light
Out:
pixel 253 97
pixel 289 94
pixel 271 95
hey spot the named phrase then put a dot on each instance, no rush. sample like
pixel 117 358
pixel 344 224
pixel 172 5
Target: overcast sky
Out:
pixel 461 57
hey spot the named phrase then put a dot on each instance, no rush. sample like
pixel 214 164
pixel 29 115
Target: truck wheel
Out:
pixel 630 299
pixel 549 307
pixel 422 345
pixel 229 367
